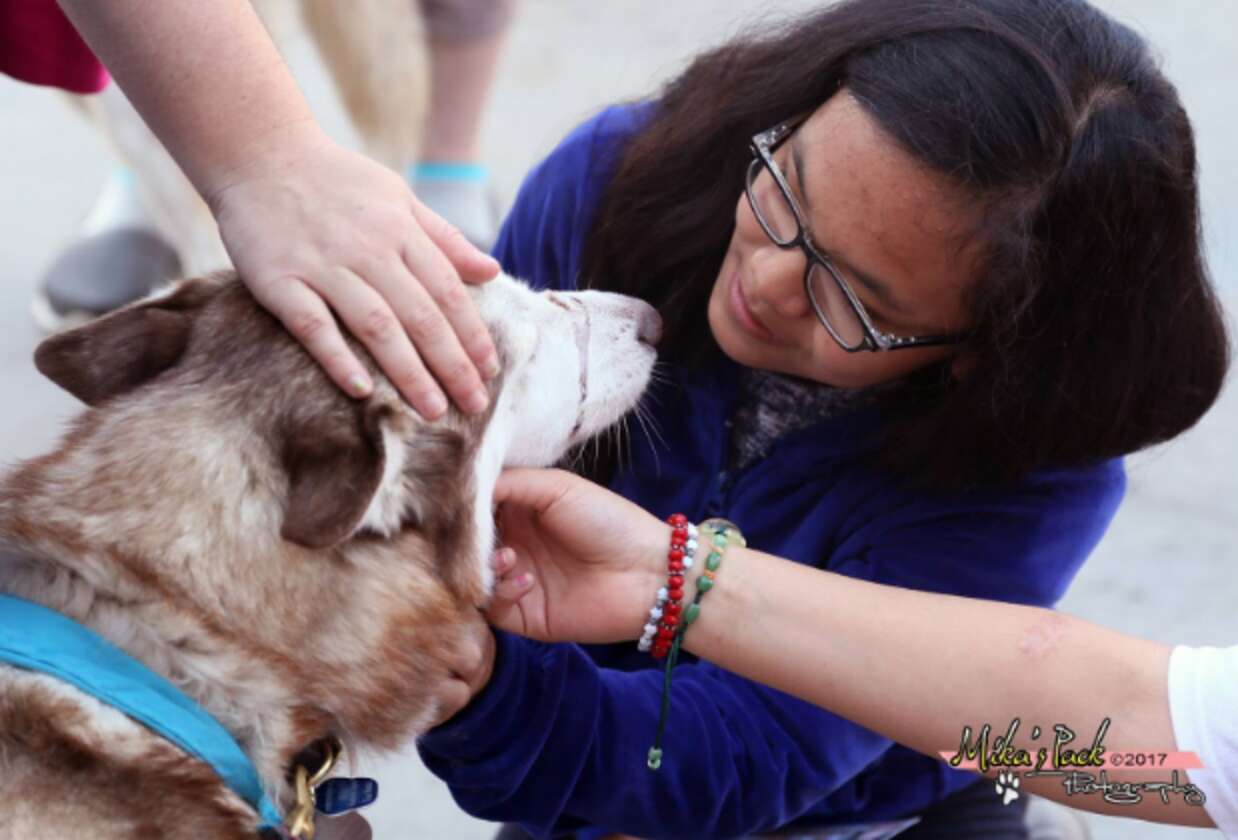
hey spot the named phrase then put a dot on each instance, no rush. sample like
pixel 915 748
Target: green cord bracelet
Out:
pixel 721 534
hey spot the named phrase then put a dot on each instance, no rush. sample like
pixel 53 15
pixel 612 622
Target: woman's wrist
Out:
pixel 729 607
pixel 730 587
pixel 275 154
pixel 648 573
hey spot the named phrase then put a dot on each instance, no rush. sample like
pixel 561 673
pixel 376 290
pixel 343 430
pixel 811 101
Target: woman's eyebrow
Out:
pixel 797 158
pixel 877 287
pixel 880 289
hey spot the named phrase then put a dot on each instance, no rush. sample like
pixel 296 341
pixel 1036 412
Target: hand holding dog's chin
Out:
pixel 578 562
pixel 319 232
pixel 469 667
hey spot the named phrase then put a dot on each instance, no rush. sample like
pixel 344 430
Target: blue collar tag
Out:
pixel 338 795
pixel 38 639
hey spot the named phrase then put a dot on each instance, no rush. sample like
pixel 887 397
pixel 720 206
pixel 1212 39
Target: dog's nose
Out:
pixel 649 327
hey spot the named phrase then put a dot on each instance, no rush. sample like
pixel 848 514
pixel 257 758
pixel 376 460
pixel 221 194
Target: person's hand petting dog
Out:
pixel 315 229
pixel 576 561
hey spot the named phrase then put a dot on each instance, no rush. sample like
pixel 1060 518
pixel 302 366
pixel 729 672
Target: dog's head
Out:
pixel 225 488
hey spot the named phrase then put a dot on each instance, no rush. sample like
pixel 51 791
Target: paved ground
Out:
pixel 1166 568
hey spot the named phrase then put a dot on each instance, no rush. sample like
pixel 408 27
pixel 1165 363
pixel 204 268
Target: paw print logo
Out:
pixel 1007 786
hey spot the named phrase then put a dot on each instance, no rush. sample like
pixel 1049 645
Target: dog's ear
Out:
pixel 354 465
pixel 125 349
pixel 334 460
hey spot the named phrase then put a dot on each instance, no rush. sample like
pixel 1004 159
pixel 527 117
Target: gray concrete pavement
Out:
pixel 1166 569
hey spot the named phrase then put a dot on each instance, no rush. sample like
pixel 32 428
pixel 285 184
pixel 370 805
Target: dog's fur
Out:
pixel 300 563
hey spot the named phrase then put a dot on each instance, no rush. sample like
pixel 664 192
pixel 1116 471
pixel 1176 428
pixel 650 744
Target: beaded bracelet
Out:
pixel 665 613
pixel 720 534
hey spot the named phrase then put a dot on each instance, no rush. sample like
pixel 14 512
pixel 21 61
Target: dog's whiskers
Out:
pixel 627 436
pixel 621 437
pixel 658 374
pixel 649 423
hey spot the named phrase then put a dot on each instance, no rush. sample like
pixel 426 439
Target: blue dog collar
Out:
pixel 38 639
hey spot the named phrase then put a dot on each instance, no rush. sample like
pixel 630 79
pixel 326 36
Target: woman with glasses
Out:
pixel 927 271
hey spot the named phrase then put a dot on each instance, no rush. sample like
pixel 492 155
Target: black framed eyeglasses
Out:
pixel 832 298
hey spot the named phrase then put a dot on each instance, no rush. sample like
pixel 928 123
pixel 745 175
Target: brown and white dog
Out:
pixel 299 563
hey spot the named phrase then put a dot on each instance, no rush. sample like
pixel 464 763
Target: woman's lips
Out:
pixel 742 314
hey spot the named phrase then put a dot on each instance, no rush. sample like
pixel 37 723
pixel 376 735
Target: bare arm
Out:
pixel 918 667
pixel 315 230
pixel 204 76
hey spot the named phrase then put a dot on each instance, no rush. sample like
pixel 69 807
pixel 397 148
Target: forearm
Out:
pixel 205 77
pixel 918 667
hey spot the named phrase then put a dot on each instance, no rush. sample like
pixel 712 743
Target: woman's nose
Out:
pixel 779 281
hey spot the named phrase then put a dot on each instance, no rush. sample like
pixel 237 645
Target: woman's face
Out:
pixel 877 213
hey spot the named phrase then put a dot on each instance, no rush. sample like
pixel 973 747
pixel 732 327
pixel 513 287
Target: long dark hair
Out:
pixel 1095 331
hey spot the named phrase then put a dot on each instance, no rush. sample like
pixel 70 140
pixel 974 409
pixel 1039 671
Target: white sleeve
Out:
pixel 1203 702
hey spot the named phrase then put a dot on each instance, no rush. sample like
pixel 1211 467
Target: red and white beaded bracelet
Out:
pixel 664 615
pixel 717 534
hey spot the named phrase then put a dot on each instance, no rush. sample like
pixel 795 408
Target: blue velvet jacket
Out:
pixel 557 740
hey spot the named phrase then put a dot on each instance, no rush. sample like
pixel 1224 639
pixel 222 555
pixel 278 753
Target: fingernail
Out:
pixel 476 401
pixel 524 580
pixel 503 560
pixel 436 405
pixel 490 369
pixel 359 385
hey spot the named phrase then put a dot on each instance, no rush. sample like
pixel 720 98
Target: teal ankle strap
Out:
pixel 432 170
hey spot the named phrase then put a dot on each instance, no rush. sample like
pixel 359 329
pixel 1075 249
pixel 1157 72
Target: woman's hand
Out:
pixel 315 230
pixel 577 562
pixel 468 664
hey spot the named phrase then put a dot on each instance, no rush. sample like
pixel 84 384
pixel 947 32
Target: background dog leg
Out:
pixel 178 211
pixel 375 53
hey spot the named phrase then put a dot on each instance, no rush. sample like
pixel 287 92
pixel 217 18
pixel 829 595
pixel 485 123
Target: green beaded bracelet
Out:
pixel 722 533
